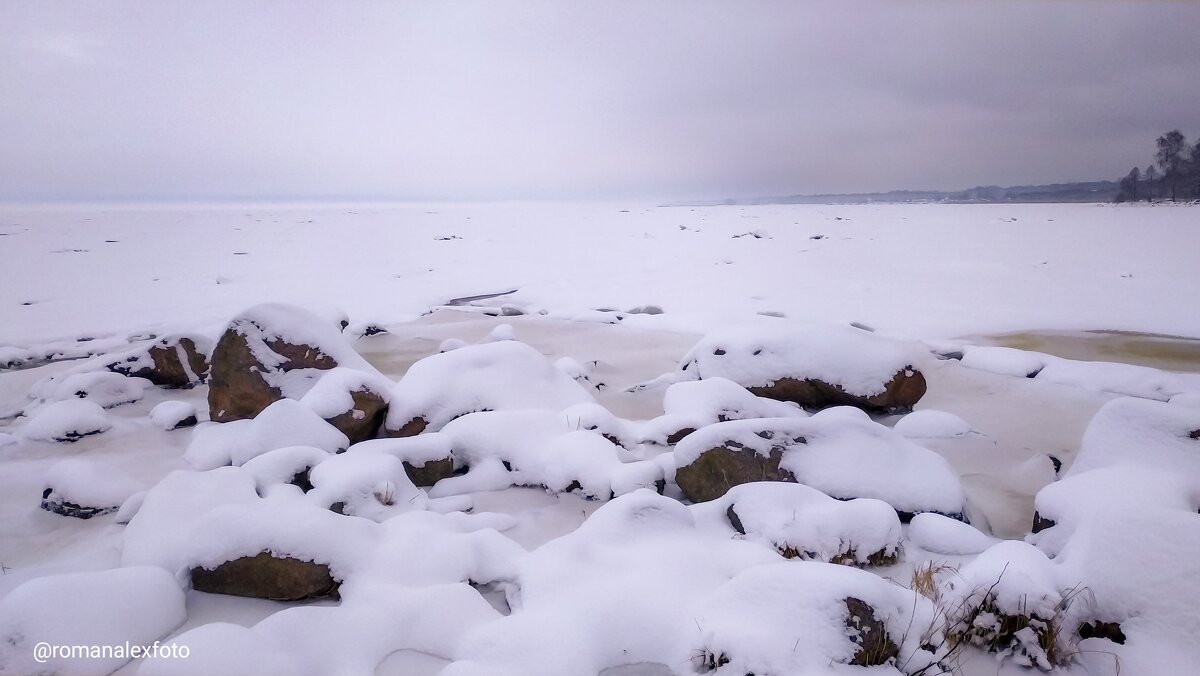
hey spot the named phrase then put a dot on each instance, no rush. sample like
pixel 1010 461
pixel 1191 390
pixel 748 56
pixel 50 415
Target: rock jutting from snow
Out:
pixel 840 456
pixel 173 362
pixel 271 352
pixel 815 366
pixel 265 576
pixel 355 402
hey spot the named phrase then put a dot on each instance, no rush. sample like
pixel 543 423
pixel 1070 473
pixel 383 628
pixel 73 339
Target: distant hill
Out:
pixel 1091 191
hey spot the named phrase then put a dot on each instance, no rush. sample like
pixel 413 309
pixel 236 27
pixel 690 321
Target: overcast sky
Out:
pixel 582 100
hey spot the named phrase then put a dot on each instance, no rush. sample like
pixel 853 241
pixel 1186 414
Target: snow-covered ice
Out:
pixel 556 539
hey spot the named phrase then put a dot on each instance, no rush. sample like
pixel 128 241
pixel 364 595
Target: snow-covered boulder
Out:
pixel 793 618
pixel 815 366
pixel 541 448
pixel 173 415
pixel 692 404
pixel 1009 601
pixel 843 458
pixel 499 376
pixel 69 420
pixel 802 522
pixel 99 387
pixel 427 458
pixel 284 423
pixel 353 401
pixel 118 608
pixel 83 488
pixel 174 361
pixel 270 352
pixel 369 485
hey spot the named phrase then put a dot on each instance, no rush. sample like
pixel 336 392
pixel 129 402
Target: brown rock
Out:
pixel 237 389
pixel 174 361
pixel 362 421
pixel 409 429
pixel 721 468
pixel 869 634
pixel 431 472
pixel 900 394
pixel 266 576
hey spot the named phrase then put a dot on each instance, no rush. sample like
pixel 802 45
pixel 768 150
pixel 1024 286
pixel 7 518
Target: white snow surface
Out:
pixel 111 607
pixel 520 580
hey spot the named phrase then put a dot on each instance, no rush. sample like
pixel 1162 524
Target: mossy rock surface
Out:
pixel 266 576
pixel 718 469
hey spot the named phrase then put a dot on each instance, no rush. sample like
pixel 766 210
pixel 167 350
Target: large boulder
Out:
pixel 842 456
pixel 265 576
pixel 270 352
pixel 814 366
pixel 173 361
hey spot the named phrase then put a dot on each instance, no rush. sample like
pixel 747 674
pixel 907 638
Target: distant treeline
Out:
pixel 1175 174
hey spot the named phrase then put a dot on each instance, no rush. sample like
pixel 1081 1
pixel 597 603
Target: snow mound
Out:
pixel 107 608
pixel 640 567
pixel 284 423
pixel 942 535
pixel 100 387
pixel 692 404
pixel 170 415
pixel 1010 600
pixel 541 448
pixel 931 424
pixel 1140 569
pixel 68 420
pixel 1005 361
pixel 858 362
pixel 499 376
pixel 791 618
pixel 802 522
pixel 1141 432
pixel 88 484
pixel 352 637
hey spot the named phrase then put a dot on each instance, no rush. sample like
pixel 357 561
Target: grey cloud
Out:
pixel 574 99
